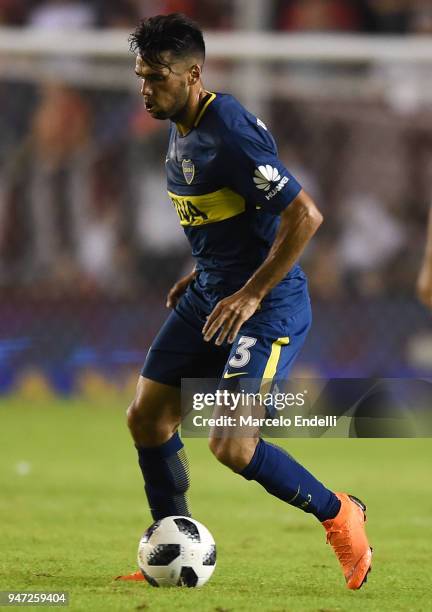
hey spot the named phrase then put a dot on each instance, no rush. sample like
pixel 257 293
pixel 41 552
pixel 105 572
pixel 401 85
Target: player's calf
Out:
pixel 235 453
pixel 278 472
pixel 153 418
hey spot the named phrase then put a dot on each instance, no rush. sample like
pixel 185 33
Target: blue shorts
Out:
pixel 263 349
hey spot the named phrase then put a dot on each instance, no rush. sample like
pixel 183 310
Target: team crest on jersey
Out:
pixel 188 170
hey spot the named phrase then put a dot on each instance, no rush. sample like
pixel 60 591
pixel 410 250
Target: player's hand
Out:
pixel 177 290
pixel 424 285
pixel 229 315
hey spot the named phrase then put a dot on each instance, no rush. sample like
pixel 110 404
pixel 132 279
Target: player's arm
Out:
pixel 424 281
pixel 178 289
pixel 299 222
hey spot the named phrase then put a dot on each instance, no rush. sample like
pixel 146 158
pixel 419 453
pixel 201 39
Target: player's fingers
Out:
pixel 208 322
pixel 235 329
pixel 214 325
pixel 211 319
pixel 224 320
pixel 227 326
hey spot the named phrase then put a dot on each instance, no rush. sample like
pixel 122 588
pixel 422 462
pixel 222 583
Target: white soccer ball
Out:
pixel 177 551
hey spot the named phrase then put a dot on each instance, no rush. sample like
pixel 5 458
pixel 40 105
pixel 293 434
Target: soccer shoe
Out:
pixel 346 533
pixel 135 577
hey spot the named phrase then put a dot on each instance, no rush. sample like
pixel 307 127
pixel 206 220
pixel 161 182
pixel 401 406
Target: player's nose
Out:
pixel 145 88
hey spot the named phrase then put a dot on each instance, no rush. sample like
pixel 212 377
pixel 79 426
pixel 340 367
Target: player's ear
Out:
pixel 194 74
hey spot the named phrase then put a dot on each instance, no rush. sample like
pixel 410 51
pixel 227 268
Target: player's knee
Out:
pixel 133 415
pixel 229 452
pixel 142 423
pixel 137 416
pixel 220 450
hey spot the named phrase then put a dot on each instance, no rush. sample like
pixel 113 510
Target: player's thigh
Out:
pixel 264 351
pixel 261 354
pixel 179 350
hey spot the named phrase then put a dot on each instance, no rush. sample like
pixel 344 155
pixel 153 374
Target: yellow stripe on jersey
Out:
pixel 209 207
pixel 204 108
pixel 272 363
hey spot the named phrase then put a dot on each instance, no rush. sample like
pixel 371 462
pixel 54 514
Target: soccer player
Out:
pixel 244 310
pixel 424 281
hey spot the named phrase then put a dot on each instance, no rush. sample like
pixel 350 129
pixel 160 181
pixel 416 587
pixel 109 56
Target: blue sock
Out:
pixel 166 477
pixel 286 479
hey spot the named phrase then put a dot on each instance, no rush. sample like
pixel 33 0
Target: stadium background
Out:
pixel 89 243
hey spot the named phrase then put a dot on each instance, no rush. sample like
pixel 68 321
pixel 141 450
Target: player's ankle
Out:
pixel 331 510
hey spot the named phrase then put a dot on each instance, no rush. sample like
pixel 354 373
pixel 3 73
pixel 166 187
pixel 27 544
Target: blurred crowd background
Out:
pixel 89 243
pixel 387 16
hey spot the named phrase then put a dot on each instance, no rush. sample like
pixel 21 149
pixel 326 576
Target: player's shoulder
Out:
pixel 229 110
pixel 236 121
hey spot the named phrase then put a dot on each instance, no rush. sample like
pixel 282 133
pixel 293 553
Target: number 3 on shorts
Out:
pixel 242 356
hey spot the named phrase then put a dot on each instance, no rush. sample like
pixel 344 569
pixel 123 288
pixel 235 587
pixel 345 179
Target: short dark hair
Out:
pixel 175 33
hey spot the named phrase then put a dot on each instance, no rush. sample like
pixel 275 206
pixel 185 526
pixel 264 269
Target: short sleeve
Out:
pixel 255 171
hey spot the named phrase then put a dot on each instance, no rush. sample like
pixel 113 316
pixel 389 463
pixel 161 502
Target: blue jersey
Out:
pixel 228 188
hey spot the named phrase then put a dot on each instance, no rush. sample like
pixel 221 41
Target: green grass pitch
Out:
pixel 72 510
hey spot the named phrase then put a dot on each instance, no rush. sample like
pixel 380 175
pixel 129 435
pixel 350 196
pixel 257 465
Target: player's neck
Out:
pixel 187 118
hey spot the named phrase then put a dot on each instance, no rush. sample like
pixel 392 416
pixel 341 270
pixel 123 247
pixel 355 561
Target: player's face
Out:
pixel 165 89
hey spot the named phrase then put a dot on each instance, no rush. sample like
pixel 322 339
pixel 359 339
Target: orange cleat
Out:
pixel 135 577
pixel 346 533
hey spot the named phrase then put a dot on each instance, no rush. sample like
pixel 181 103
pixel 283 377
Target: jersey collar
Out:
pixel 204 108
